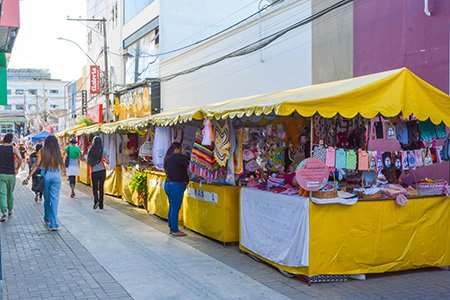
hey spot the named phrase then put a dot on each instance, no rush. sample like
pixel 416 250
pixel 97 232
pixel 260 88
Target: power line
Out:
pixel 262 42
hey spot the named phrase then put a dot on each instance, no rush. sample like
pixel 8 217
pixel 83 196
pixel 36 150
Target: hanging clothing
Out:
pixel 163 139
pixel 222 144
pixel 207 132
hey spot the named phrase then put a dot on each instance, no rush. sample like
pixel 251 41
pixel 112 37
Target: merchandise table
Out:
pixel 371 236
pixel 85 174
pixel 213 211
pixel 158 203
pixel 113 182
pixel 128 195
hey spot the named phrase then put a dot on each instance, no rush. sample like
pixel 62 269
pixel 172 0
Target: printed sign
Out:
pixel 94 74
pixel 202 195
pixel 312 174
pixel 83 102
pixel 95 113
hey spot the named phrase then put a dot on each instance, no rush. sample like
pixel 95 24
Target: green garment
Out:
pixel 73 151
pixel 7 184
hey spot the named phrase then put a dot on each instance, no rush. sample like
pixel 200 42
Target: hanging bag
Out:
pixel 67 161
pixel 39 183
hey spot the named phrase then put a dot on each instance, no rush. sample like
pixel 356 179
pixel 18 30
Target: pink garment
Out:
pixel 208 133
pixel 330 157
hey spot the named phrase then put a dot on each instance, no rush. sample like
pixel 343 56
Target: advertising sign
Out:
pixel 95 113
pixel 312 174
pixel 94 75
pixel 83 102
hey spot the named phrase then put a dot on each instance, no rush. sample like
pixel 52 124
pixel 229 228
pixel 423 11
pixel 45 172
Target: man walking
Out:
pixel 8 171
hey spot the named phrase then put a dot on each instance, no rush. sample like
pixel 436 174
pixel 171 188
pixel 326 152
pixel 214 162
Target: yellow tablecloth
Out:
pixel 213 211
pixel 127 194
pixel 376 236
pixel 85 175
pixel 158 203
pixel 113 182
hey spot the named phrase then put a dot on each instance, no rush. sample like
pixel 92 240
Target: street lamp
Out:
pixel 105 72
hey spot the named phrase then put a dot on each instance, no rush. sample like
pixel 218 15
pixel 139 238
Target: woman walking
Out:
pixel 73 154
pixel 96 159
pixel 50 161
pixel 8 172
pixel 175 166
pixel 34 179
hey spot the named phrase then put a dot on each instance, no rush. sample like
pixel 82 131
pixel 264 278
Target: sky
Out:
pixel 36 45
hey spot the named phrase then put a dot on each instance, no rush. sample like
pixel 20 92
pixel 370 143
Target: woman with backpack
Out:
pixel 50 161
pixel 96 159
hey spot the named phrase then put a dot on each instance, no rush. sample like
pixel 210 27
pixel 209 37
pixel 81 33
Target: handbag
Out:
pixel 38 183
pixel 66 162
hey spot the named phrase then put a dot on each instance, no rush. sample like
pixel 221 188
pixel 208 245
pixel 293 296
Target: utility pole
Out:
pixel 106 91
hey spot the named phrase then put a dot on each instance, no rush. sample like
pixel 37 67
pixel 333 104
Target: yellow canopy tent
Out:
pixel 69 131
pixel 388 93
pixel 88 130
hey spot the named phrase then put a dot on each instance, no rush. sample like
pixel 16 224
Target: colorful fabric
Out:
pixel 237 155
pixel 427 131
pixel 419 157
pixel 351 160
pixel 320 152
pixel 331 157
pixel 341 159
pixel 441 131
pixel 203 163
pixel 222 144
pixel 207 132
pixel 363 160
pixel 230 163
pixel 402 133
pixel 405 161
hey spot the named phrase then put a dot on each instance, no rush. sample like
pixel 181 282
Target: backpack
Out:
pixel 445 155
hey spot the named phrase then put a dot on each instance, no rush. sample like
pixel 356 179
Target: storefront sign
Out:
pixel 312 174
pixel 94 74
pixel 95 113
pixel 83 102
pixel 202 195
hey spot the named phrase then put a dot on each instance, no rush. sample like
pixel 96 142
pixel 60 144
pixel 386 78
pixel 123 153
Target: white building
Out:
pixel 35 95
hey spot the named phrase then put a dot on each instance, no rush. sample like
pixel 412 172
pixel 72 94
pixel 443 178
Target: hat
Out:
pixel 73 140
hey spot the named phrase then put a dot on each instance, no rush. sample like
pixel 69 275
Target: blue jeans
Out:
pixel 174 191
pixel 52 187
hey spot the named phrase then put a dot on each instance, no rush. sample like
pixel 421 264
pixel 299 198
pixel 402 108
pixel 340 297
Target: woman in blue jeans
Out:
pixel 51 163
pixel 175 166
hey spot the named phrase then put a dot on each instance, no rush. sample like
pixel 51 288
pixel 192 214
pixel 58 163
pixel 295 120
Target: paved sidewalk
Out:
pixel 123 252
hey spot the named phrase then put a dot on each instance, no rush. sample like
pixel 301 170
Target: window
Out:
pixel 54 92
pixel 32 107
pixel 19 92
pixel 133 7
pixel 32 91
pixel 54 106
pixel 7 107
pixel 8 91
pixel 19 107
pixel 6 128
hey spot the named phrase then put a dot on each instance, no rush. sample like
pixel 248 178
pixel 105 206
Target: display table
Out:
pixel 85 174
pixel 128 195
pixel 158 203
pixel 113 182
pixel 213 211
pixel 372 236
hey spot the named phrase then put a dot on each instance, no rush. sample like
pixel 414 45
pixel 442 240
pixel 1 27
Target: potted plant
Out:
pixel 138 184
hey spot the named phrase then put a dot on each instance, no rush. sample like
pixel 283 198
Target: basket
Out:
pixel 373 196
pixel 431 188
pixel 324 194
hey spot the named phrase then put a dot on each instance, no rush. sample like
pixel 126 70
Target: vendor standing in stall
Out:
pixel 72 155
pixel 175 166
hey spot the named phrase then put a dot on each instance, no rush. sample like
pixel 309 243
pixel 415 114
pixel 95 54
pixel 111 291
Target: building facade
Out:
pixel 36 99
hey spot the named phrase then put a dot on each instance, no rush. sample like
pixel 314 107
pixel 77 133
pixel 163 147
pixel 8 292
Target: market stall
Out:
pixel 382 138
pixel 84 136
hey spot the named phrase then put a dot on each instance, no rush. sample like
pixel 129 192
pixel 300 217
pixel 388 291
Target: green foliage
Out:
pixel 85 121
pixel 138 182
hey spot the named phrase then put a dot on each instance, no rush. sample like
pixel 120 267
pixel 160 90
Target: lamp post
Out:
pixel 105 72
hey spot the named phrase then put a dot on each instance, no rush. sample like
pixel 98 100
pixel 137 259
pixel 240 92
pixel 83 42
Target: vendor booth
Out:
pixel 347 177
pixel 84 136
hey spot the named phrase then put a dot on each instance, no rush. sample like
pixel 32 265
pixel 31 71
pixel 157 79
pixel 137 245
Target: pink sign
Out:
pixel 312 174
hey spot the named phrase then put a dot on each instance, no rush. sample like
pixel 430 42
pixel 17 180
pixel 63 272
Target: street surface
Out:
pixel 123 252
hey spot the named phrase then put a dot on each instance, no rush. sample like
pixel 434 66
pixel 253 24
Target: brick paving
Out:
pixel 39 264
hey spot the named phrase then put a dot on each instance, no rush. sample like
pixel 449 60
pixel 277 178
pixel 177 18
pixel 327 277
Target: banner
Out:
pixel 83 102
pixel 94 74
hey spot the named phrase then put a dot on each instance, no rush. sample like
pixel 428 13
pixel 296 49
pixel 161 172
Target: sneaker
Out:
pixel 3 218
pixel 10 213
pixel 47 223
pixel 96 205
pixel 179 233
pixel 53 228
pixel 36 198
